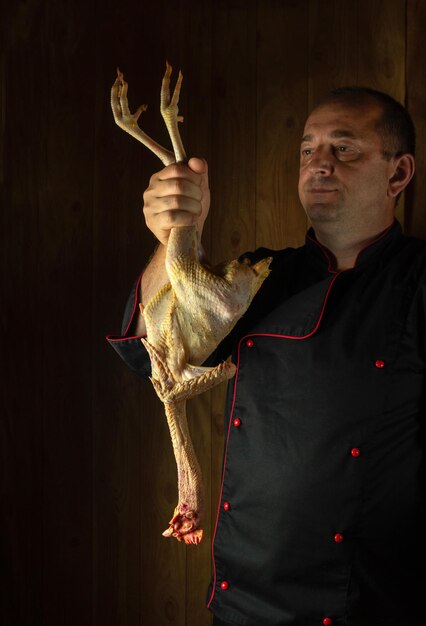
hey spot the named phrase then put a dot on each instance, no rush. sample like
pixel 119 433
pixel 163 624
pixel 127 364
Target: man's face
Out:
pixel 343 177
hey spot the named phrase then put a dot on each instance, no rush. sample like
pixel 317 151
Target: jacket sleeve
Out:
pixel 128 345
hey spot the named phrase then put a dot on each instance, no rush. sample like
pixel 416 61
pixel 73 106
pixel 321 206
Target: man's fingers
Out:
pixel 176 218
pixel 178 195
pixel 178 170
pixel 178 205
pixel 177 187
pixel 162 223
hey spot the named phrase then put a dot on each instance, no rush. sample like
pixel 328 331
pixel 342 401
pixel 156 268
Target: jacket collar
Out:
pixel 383 242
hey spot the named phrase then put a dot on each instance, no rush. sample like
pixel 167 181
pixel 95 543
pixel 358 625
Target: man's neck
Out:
pixel 346 249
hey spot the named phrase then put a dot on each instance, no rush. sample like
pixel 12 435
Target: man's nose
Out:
pixel 322 162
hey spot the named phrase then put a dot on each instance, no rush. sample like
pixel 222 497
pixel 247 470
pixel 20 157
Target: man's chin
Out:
pixel 322 213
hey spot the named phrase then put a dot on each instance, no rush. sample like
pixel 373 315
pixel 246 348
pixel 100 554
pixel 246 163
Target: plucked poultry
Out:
pixel 187 318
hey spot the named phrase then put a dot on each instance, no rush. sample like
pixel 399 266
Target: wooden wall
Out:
pixel 87 472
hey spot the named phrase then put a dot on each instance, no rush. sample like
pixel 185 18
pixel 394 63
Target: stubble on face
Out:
pixel 323 204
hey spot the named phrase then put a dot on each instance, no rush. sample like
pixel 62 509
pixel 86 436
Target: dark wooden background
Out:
pixel 87 473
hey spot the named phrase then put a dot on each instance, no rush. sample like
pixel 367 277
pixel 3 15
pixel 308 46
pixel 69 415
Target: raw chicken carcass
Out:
pixel 187 318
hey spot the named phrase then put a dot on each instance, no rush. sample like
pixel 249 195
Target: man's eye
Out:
pixel 307 151
pixel 347 150
pixel 345 153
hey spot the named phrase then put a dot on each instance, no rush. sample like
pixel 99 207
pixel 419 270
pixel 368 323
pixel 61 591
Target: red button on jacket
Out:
pixel 237 422
pixel 379 364
pixel 327 621
pixel 338 538
pixel 249 343
pixel 224 585
pixel 355 452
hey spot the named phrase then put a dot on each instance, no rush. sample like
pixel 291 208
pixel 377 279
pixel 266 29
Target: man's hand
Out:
pixel 178 195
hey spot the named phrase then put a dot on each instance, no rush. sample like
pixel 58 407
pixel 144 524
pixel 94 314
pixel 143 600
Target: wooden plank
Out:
pixel 333 46
pixel 21 434
pixel 416 104
pixel 233 167
pixel 381 63
pixel 281 113
pixel 65 237
pixel 47 191
pixel 382 45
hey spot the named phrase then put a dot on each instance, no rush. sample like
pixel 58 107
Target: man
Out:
pixel 320 513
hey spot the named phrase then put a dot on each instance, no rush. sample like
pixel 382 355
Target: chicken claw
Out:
pixel 129 121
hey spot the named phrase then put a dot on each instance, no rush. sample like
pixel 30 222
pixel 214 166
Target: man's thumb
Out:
pixel 198 165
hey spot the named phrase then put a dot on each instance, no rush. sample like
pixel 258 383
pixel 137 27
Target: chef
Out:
pixel 320 519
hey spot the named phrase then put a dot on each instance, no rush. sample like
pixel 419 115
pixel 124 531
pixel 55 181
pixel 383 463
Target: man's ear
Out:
pixel 403 172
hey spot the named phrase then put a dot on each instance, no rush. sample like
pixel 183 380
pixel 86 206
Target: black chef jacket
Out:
pixel 320 518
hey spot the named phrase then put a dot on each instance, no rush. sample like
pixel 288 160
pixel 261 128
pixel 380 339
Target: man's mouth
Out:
pixel 320 185
pixel 320 190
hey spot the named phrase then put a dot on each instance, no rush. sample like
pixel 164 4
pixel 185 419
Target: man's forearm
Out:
pixel 153 278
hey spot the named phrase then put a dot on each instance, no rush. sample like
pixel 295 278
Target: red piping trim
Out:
pixel 232 413
pixel 113 338
pixel 326 252
pixel 380 236
pixel 135 304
